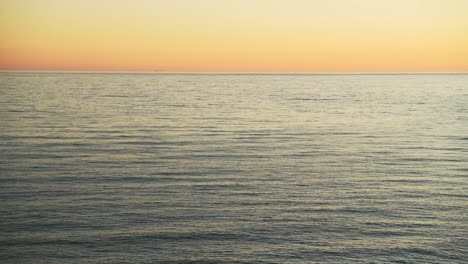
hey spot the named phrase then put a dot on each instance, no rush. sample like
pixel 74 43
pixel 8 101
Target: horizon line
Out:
pixel 233 72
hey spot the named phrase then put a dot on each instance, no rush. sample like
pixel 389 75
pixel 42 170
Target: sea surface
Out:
pixel 233 168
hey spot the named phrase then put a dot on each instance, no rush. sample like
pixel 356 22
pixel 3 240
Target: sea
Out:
pixel 233 168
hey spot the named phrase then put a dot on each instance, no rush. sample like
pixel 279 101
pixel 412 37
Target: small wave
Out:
pixel 312 99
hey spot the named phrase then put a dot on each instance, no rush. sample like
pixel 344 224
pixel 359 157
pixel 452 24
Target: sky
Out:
pixel 235 36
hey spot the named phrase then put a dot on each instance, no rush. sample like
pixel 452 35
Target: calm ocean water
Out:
pixel 166 168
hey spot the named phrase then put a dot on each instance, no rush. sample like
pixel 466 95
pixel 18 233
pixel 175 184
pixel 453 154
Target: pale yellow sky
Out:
pixel 241 35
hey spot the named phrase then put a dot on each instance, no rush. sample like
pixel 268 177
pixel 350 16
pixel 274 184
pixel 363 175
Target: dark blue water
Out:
pixel 155 168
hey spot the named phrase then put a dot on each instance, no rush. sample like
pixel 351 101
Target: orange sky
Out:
pixel 236 36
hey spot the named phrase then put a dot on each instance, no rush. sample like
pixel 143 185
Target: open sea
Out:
pixel 233 168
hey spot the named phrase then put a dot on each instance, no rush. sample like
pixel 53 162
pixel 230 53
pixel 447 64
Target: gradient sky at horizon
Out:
pixel 237 36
